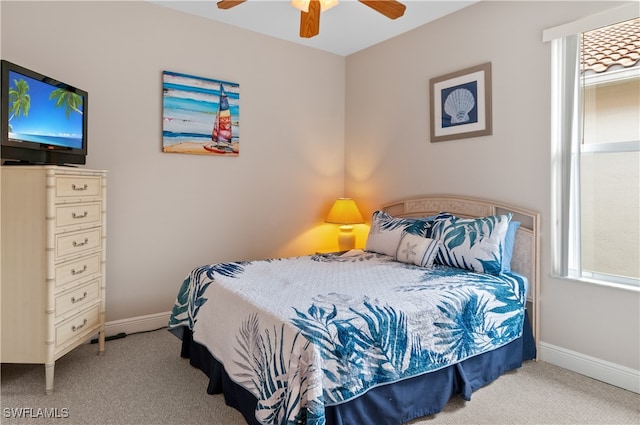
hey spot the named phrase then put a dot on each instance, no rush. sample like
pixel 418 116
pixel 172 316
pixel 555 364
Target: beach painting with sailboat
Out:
pixel 200 115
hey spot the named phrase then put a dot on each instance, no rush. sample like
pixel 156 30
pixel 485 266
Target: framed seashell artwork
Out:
pixel 461 104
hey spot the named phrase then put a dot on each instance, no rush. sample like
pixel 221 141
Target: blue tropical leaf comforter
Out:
pixel 302 333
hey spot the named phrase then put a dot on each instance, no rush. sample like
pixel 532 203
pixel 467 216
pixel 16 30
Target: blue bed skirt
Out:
pixel 392 404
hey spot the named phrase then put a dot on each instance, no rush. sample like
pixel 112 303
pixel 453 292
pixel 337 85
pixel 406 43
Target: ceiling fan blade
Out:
pixel 310 21
pixel 228 4
pixel 392 9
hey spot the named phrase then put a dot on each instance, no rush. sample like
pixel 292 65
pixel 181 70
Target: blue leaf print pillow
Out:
pixel 386 231
pixel 472 244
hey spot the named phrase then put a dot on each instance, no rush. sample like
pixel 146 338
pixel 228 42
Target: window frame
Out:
pixel 567 149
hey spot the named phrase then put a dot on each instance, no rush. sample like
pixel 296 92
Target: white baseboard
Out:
pixel 602 370
pixel 133 325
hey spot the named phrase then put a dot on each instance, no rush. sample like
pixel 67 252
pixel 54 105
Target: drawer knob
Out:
pixel 77 328
pixel 83 187
pixel 82 270
pixel 76 300
pixel 83 215
pixel 77 244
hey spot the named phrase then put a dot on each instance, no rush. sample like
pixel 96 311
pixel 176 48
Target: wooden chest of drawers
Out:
pixel 53 262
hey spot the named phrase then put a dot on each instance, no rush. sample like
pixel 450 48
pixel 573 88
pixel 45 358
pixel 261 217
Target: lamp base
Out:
pixel 346 238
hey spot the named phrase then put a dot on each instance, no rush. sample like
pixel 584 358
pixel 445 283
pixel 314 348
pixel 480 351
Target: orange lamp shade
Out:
pixel 345 212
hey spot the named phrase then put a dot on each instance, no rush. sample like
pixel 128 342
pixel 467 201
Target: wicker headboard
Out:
pixel 526 251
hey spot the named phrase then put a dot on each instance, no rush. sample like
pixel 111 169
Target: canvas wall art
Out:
pixel 200 115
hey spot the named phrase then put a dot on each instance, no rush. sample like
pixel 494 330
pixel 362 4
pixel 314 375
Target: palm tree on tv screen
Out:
pixel 70 101
pixel 19 100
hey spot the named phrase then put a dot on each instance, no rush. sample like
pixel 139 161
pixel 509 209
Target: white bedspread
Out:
pixel 303 333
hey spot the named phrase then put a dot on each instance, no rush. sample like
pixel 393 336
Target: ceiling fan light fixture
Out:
pixel 303 5
pixel 310 11
pixel 327 4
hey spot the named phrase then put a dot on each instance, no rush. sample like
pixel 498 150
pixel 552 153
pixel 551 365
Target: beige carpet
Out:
pixel 141 379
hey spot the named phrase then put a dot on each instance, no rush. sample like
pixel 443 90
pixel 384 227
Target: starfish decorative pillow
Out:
pixel 417 250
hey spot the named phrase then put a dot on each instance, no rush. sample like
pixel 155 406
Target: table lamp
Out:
pixel 345 213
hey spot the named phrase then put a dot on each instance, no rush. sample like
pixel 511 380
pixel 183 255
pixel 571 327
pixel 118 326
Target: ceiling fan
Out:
pixel 310 11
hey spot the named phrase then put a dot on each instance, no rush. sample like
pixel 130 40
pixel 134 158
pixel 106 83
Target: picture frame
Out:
pixel 200 116
pixel 461 104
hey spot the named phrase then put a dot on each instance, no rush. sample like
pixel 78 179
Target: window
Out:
pixel 596 154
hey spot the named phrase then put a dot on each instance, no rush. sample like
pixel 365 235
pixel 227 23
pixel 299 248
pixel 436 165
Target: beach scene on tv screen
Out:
pixel 43 113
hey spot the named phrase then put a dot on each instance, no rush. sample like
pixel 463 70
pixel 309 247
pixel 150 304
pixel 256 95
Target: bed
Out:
pixel 442 301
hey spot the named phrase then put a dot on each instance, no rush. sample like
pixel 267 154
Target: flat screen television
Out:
pixel 44 121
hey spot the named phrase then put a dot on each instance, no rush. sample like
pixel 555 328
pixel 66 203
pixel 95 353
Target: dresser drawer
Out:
pixel 74 214
pixel 76 326
pixel 77 269
pixel 77 242
pixel 78 186
pixel 77 297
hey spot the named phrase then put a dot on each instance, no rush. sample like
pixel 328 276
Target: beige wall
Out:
pixel 611 227
pixel 271 200
pixel 612 111
pixel 389 155
pixel 168 213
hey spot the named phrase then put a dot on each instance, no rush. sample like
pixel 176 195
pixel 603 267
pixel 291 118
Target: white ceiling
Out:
pixel 344 29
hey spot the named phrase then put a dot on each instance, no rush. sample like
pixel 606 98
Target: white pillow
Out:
pixel 384 241
pixel 417 250
pixel 386 232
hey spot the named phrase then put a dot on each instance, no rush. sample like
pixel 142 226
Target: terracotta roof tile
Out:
pixel 612 47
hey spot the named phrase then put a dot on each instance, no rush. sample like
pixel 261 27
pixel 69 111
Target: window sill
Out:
pixel 592 281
